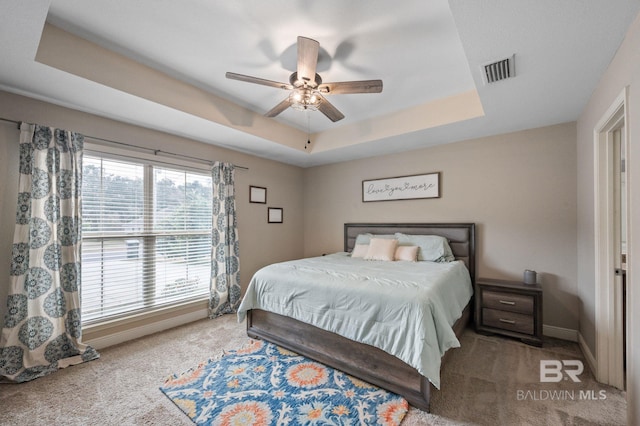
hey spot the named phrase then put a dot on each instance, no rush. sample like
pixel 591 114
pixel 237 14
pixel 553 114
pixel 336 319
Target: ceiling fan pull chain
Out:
pixel 308 130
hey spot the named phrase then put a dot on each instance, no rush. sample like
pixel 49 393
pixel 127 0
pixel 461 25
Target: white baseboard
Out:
pixel 572 336
pixel 560 333
pixel 591 360
pixel 137 332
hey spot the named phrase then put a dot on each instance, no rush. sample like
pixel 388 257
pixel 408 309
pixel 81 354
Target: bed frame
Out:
pixel 366 362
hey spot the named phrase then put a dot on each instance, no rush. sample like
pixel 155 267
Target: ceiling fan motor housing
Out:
pixel 296 82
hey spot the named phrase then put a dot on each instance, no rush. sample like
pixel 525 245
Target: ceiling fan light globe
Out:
pixel 305 99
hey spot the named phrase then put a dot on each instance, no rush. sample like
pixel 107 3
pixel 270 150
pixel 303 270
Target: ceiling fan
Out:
pixel 307 88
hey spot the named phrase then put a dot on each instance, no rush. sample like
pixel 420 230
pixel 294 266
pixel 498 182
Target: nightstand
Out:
pixel 510 308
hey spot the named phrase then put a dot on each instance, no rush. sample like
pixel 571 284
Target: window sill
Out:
pixel 120 330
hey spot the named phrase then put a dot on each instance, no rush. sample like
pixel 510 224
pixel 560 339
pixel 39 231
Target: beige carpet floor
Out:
pixel 488 381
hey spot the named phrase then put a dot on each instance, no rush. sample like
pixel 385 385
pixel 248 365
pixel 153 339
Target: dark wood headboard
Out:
pixel 461 236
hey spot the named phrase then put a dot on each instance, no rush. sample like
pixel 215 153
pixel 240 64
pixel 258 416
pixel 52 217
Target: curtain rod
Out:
pixel 155 151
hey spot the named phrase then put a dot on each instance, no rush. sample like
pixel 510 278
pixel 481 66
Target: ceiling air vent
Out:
pixel 499 70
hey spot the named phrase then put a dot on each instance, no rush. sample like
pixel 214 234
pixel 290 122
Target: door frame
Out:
pixel 608 297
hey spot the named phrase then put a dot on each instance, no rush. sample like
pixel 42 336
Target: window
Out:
pixel 146 236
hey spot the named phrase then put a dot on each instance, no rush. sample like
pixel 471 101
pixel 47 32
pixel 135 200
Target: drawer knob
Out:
pixel 507 302
pixel 507 321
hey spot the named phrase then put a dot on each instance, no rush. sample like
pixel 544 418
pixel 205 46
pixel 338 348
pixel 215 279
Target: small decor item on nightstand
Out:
pixel 530 277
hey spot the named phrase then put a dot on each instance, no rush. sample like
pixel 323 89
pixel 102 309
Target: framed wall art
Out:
pixel 402 188
pixel 274 215
pixel 257 194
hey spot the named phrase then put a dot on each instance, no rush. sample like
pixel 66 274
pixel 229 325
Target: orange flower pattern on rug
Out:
pixel 307 375
pixel 245 413
pixel 262 384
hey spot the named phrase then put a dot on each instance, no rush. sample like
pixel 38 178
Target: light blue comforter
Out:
pixel 404 308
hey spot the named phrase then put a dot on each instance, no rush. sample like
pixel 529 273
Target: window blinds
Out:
pixel 146 237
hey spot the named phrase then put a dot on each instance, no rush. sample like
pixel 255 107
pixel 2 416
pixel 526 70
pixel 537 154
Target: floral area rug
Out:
pixel 263 384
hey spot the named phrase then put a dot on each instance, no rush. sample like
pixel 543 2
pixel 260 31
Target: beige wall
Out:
pixel 260 243
pixel 624 71
pixel 9 158
pixel 519 188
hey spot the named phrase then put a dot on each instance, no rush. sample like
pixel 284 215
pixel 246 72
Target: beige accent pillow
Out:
pixel 360 250
pixel 408 253
pixel 381 249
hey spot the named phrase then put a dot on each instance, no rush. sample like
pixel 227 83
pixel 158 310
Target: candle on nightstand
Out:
pixel 529 277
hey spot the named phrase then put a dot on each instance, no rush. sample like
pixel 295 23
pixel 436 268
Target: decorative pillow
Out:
pixel 360 250
pixel 408 253
pixel 434 248
pixel 381 249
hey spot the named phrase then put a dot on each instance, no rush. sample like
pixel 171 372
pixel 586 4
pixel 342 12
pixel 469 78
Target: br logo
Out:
pixel 555 371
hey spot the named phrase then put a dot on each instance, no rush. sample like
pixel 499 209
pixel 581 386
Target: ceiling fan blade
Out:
pixel 256 80
pixel 345 87
pixel 329 110
pixel 278 108
pixel 307 59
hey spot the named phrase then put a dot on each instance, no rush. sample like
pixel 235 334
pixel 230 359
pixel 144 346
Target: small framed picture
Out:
pixel 257 194
pixel 274 215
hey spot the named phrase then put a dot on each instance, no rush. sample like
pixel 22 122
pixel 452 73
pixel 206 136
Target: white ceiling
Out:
pixel 429 55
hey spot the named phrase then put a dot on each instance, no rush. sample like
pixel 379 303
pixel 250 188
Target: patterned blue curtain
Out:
pixel 225 255
pixel 42 330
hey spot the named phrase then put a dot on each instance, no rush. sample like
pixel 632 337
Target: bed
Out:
pixel 409 368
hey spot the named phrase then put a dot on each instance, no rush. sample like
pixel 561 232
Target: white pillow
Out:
pixel 360 250
pixel 407 253
pixel 365 238
pixel 434 248
pixel 381 249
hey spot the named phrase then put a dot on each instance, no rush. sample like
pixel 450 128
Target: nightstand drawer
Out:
pixel 508 320
pixel 507 301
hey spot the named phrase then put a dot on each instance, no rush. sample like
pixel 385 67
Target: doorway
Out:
pixel 611 225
